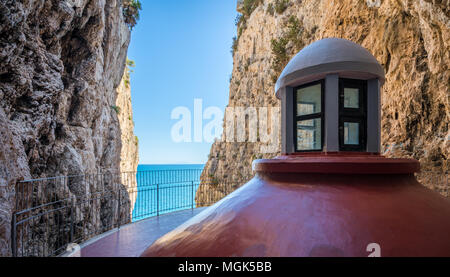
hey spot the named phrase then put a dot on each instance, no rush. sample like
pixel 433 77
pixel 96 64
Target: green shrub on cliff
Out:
pixel 270 10
pixel 248 6
pixel 281 6
pixel 234 45
pixel 240 19
pixel 281 57
pixel 293 35
pixel 131 10
pixel 116 109
pixel 294 32
pixel 129 64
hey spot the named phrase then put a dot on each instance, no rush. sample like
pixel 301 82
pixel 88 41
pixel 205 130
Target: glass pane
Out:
pixel 309 134
pixel 351 133
pixel 351 98
pixel 309 100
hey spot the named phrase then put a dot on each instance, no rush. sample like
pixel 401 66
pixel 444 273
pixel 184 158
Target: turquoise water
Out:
pixel 165 188
pixel 145 167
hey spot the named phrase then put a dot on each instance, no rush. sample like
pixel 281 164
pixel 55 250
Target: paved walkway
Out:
pixel 132 239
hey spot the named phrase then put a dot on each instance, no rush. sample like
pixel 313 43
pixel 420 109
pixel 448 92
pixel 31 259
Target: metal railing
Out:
pixel 52 213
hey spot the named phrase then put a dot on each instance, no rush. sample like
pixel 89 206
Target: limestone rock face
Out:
pixel 411 39
pixel 61 62
pixel 129 155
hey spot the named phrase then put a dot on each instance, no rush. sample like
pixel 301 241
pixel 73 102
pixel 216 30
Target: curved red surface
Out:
pixel 337 163
pixel 317 214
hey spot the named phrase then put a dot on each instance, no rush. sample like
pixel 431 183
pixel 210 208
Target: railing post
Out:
pixel 157 199
pixel 119 207
pixel 14 235
pixel 71 223
pixel 192 195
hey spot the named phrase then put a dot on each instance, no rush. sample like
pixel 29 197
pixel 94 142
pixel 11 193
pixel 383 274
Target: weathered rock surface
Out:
pixel 61 62
pixel 411 39
pixel 129 155
pixel 13 168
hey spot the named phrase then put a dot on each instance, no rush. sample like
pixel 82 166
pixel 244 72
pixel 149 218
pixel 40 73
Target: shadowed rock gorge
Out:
pixel 61 64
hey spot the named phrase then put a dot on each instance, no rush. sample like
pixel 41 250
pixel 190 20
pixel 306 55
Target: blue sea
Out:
pixel 165 188
pixel 156 167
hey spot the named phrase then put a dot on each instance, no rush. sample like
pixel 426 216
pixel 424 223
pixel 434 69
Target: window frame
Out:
pixel 354 115
pixel 320 115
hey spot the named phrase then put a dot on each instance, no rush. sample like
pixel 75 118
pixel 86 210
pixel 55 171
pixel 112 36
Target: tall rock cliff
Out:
pixel 61 63
pixel 410 38
pixel 129 157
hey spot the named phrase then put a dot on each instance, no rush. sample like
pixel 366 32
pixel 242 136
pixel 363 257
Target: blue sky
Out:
pixel 182 52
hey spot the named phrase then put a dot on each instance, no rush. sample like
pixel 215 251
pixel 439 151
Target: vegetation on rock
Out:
pixel 294 33
pixel 248 6
pixel 234 45
pixel 116 109
pixel 131 10
pixel 281 6
pixel 281 57
pixel 293 37
pixel 270 10
pixel 129 64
